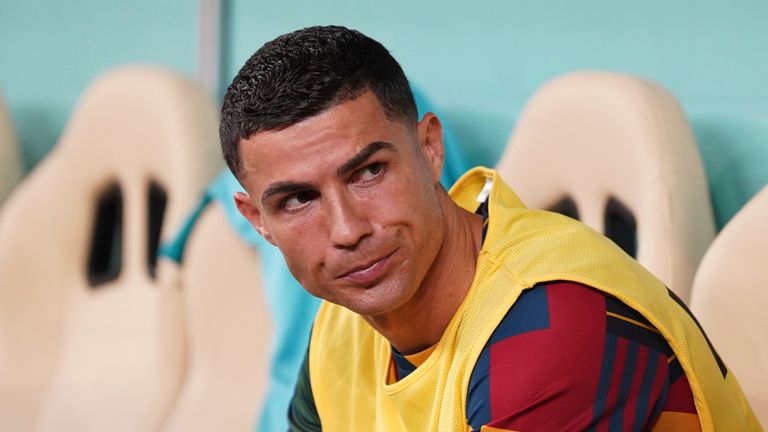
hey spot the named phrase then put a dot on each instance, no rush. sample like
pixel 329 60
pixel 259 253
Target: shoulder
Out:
pixel 545 362
pixel 552 330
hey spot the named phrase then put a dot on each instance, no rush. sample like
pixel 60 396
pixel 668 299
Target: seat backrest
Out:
pixel 730 297
pixel 10 164
pixel 91 328
pixel 228 328
pixel 616 152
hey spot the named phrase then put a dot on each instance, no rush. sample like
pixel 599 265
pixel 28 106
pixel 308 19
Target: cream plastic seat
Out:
pixel 91 332
pixel 617 152
pixel 10 164
pixel 730 297
pixel 229 330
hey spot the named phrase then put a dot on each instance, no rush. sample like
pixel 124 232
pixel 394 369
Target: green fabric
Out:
pixel 302 413
pixel 174 249
pixel 735 155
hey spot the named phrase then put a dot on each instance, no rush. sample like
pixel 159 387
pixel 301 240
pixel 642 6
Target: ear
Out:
pixel 430 135
pixel 251 212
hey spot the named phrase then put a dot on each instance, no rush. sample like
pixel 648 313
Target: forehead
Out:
pixel 319 144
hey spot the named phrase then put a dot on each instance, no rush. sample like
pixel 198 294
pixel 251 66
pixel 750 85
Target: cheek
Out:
pixel 299 246
pixel 416 198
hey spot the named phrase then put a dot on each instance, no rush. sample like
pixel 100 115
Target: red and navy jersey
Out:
pixel 567 357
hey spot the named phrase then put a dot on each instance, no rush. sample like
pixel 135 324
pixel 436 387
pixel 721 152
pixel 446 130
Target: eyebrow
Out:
pixel 283 187
pixel 288 187
pixel 355 161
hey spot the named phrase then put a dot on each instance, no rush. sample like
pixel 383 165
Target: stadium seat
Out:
pixel 616 151
pixel 229 329
pixel 91 326
pixel 730 298
pixel 10 164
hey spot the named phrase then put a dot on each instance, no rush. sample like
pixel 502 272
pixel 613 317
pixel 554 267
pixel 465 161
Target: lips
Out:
pixel 367 273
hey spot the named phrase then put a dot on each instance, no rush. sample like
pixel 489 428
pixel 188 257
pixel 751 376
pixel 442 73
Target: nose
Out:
pixel 348 224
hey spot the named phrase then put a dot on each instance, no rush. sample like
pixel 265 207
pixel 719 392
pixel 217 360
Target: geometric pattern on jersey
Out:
pixel 635 380
pixel 582 344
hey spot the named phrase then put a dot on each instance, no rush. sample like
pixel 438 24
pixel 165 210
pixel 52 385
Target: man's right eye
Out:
pixel 297 201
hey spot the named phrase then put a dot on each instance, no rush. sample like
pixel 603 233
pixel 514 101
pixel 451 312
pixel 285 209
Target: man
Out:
pixel 446 312
pixel 291 308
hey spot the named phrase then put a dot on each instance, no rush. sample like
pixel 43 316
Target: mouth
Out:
pixel 368 273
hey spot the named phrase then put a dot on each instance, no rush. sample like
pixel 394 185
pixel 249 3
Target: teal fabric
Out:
pixel 174 250
pixel 292 309
pixel 735 155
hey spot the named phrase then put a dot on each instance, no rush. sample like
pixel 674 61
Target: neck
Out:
pixel 421 321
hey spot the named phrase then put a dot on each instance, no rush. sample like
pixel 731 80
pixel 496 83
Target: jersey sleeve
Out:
pixel 568 357
pixel 302 413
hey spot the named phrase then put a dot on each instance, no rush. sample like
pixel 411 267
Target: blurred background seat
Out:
pixel 10 164
pixel 617 152
pixel 229 330
pixel 91 330
pixel 730 298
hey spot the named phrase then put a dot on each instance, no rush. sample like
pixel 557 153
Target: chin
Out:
pixel 376 301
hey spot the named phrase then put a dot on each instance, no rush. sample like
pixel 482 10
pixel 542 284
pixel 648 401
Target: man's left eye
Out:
pixel 369 172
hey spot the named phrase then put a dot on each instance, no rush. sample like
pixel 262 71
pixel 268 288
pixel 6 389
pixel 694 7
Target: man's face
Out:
pixel 350 198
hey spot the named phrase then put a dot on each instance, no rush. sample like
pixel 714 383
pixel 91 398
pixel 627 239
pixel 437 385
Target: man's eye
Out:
pixel 369 172
pixel 297 200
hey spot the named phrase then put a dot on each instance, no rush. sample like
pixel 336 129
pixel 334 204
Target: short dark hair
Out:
pixel 303 73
